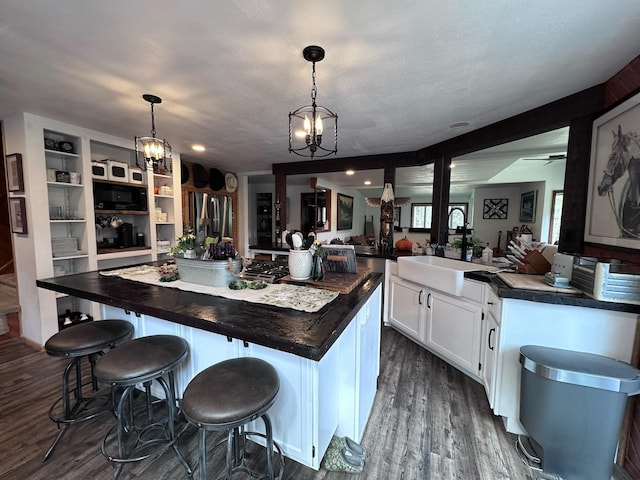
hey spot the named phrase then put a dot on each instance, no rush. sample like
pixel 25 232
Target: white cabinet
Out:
pixel 317 399
pixel 602 332
pixel 490 345
pixel 407 308
pixel 453 330
pixel 448 326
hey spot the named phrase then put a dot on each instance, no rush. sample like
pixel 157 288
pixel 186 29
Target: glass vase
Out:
pixel 317 273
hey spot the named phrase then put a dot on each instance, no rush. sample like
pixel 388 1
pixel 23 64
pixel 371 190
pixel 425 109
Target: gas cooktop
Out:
pixel 270 272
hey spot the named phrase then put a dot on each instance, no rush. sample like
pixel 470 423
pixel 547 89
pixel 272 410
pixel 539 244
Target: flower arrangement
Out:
pixel 183 243
pixel 315 248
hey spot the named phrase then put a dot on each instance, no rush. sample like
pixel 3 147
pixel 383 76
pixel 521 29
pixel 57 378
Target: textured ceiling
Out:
pixel 397 73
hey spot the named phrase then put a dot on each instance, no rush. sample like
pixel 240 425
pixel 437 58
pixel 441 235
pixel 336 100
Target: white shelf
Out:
pixel 157 195
pixel 124 254
pixel 70 257
pixel 65 184
pixel 61 154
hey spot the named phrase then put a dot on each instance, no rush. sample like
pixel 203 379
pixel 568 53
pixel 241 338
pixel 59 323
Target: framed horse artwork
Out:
pixel 613 201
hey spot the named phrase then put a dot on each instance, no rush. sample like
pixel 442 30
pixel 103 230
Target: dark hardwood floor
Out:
pixel 429 422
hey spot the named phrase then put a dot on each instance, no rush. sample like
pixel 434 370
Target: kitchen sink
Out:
pixel 444 274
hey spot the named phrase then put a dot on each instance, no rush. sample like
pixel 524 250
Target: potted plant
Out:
pixel 185 244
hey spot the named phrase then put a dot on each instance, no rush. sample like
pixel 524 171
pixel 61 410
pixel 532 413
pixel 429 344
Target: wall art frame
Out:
pixel 528 202
pixel 613 195
pixel 15 177
pixel 345 212
pixel 495 208
pixel 18 215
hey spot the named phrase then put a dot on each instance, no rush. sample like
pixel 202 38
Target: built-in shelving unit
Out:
pixel 67 211
pixel 164 212
pixel 63 229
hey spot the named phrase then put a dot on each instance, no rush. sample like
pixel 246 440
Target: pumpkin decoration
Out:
pixel 404 244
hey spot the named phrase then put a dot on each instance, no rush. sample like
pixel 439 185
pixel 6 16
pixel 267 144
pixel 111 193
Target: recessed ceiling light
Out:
pixel 453 165
pixel 350 172
pixel 197 147
pixel 459 125
pixel 367 182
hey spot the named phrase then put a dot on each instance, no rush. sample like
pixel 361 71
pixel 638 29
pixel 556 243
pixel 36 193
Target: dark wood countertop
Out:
pixel 308 335
pixel 504 291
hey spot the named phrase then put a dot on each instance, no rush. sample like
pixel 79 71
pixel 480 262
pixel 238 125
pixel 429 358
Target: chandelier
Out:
pixel 307 124
pixel 155 153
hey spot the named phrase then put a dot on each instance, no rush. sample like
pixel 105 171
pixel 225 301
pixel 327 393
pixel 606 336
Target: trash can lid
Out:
pixel 580 368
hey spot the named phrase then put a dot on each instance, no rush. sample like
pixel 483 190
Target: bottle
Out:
pixel 487 255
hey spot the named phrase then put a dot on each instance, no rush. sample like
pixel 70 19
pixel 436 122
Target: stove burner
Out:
pixel 268 271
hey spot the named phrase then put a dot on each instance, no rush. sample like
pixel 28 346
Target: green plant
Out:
pixel 184 242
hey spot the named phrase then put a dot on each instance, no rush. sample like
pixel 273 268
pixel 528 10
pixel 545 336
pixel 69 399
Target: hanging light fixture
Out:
pixel 155 153
pixel 307 124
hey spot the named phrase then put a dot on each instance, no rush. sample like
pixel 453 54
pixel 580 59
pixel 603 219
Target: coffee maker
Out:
pixel 125 236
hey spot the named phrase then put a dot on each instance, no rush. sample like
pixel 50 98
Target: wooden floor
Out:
pixel 429 422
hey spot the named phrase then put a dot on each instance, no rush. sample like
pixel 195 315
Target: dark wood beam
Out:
pixel 440 200
pixel 548 117
pixel 366 162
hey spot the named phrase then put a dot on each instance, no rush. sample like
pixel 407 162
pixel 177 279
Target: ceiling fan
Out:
pixel 548 159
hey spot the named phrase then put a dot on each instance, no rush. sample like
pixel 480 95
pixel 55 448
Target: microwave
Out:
pixel 99 170
pixel 117 171
pixel 112 196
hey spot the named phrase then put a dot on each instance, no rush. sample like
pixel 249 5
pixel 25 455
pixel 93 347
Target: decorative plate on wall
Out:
pixel 495 208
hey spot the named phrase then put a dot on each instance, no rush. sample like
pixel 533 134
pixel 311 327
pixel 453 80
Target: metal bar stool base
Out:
pixel 238 458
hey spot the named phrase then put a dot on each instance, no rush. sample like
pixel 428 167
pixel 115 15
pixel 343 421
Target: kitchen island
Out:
pixel 327 361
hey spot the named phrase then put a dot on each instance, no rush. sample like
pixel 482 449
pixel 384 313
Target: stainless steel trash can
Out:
pixel 572 405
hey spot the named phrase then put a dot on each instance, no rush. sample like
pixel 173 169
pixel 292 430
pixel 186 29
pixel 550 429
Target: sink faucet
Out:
pixel 463 255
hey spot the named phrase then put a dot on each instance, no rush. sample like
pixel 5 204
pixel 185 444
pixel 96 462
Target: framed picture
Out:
pixel 15 180
pixel 613 196
pixel 397 211
pixel 18 212
pixel 528 206
pixel 495 208
pixel 345 212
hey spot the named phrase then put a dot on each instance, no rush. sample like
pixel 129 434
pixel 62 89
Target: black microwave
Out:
pixel 111 196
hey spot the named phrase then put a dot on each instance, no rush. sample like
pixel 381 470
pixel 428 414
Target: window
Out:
pixel 556 217
pixel 421 214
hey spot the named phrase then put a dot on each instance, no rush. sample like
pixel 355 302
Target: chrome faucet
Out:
pixel 463 255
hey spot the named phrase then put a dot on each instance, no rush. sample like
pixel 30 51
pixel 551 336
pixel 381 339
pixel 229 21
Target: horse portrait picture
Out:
pixel 613 210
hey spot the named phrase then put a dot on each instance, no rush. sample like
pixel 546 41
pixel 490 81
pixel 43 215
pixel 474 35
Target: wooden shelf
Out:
pixel 121 212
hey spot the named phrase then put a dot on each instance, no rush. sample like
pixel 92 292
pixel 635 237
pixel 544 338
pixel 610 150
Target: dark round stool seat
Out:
pixel 230 392
pixel 227 396
pixel 87 338
pixel 141 360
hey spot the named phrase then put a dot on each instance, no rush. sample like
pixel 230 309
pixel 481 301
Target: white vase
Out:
pixel 300 264
pixel 190 254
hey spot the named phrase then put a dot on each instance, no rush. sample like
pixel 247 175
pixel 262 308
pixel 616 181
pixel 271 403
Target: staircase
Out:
pixel 8 300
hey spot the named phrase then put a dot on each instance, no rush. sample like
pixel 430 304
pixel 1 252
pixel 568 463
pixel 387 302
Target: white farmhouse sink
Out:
pixel 444 274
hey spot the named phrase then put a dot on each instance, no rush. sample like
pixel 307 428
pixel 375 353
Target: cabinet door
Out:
pixel 453 330
pixel 406 311
pixel 490 340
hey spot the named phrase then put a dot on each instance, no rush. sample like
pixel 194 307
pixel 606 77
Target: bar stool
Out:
pixel 227 396
pixel 140 362
pixel 88 340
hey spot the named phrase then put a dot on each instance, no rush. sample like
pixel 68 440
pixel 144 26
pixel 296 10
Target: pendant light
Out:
pixel 308 124
pixel 155 153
